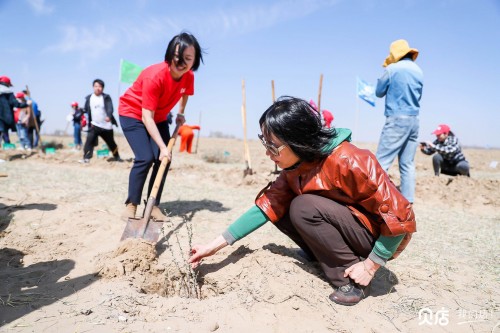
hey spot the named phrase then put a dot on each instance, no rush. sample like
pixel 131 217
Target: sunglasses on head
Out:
pixel 270 147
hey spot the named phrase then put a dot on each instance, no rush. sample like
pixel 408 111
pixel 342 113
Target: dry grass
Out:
pixel 181 279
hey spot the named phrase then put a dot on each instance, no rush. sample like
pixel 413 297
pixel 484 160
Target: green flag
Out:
pixel 129 71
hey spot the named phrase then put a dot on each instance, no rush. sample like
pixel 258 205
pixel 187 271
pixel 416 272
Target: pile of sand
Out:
pixel 136 261
pixel 133 256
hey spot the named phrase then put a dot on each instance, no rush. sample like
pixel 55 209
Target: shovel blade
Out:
pixel 139 228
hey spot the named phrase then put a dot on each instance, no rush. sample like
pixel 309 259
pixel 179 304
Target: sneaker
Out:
pixel 129 212
pixel 350 294
pixel 158 215
pixel 84 161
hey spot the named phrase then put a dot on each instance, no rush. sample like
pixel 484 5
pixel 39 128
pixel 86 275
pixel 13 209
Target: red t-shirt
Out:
pixel 155 90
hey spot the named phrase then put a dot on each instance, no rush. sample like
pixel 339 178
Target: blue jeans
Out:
pixel 147 155
pixel 77 134
pixel 22 133
pixel 400 138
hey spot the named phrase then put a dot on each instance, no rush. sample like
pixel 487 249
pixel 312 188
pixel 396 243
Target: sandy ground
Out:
pixel 63 269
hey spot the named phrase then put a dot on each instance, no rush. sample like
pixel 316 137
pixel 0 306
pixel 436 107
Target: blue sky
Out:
pixel 59 47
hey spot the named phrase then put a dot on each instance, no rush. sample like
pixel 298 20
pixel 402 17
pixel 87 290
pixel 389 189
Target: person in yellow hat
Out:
pixel 401 84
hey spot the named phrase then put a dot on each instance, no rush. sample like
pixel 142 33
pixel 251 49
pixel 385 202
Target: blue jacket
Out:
pixel 401 85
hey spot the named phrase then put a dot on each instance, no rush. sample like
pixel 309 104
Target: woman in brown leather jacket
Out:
pixel 332 199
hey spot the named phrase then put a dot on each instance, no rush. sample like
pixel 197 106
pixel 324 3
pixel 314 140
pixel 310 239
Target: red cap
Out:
pixel 74 104
pixel 6 80
pixel 20 95
pixel 442 129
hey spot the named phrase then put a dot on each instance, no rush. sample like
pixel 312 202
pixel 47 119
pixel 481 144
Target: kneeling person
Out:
pixel 449 158
pixel 331 198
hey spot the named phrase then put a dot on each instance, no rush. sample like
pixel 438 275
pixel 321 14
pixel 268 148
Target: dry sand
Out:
pixel 63 269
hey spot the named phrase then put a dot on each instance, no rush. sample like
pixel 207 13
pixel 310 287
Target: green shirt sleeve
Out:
pixel 384 248
pixel 250 221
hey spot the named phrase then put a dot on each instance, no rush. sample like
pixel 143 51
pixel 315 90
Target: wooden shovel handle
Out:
pixel 165 162
pixel 32 114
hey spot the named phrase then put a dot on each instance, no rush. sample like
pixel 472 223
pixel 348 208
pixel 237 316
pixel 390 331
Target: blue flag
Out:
pixel 366 92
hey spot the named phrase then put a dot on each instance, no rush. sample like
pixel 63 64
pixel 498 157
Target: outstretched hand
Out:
pixel 198 252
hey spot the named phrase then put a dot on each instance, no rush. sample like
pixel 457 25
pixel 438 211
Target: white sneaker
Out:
pixel 84 161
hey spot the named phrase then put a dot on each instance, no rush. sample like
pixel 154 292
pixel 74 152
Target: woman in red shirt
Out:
pixel 143 111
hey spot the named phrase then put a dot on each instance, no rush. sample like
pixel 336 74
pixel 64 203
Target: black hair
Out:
pixel 101 82
pixel 25 92
pixel 298 125
pixel 184 40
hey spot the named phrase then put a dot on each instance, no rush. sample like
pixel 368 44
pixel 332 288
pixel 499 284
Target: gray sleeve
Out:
pixel 377 259
pixel 228 237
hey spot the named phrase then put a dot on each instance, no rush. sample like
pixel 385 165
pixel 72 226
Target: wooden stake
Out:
pixel 274 100
pixel 198 137
pixel 272 86
pixel 319 94
pixel 248 170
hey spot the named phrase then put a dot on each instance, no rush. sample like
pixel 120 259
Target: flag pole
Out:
pixel 119 79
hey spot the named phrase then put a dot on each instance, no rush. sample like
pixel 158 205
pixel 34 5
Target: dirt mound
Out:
pixel 135 260
pixel 460 191
pixel 132 256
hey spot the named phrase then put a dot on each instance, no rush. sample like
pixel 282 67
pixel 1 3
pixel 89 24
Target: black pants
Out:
pixel 440 165
pixel 31 136
pixel 147 154
pixel 329 232
pixel 92 135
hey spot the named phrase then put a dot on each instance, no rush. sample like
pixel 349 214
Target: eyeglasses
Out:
pixel 270 147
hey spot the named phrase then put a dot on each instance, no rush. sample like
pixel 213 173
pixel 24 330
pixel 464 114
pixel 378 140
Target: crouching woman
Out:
pixel 331 198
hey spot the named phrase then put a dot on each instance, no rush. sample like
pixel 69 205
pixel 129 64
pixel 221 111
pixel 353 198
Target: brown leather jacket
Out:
pixel 351 176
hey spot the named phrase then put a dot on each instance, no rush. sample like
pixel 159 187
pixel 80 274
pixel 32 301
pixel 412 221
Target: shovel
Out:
pixel 37 128
pixel 144 228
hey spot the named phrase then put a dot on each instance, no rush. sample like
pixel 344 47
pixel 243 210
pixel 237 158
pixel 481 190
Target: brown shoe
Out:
pixel 158 215
pixel 129 212
pixel 350 294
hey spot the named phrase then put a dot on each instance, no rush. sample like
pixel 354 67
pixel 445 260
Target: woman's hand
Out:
pixel 180 119
pixel 199 252
pixel 362 272
pixel 165 153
